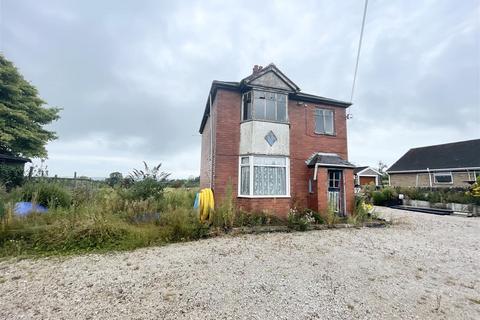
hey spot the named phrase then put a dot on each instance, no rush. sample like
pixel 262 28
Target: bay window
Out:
pixel 262 105
pixel 263 176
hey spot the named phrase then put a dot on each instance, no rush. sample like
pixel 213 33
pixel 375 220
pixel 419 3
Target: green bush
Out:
pixel 144 189
pixel 378 198
pixel 11 176
pixel 47 194
pixel 384 196
pixel 360 213
pixel 318 219
pixel 440 195
pixel 300 220
pixel 389 194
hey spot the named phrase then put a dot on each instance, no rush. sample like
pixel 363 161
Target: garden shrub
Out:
pixel 47 194
pixel 378 198
pixel 389 194
pixel 144 189
pixel 11 176
pixel 256 218
pixel 440 195
pixel 330 216
pixel 361 211
pixel 300 220
pixel 384 196
pixel 475 189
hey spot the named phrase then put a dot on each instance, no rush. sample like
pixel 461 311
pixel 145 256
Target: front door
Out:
pixel 335 194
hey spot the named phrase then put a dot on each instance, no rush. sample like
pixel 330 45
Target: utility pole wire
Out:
pixel 359 48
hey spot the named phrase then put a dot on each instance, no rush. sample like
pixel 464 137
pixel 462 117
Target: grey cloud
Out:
pixel 133 77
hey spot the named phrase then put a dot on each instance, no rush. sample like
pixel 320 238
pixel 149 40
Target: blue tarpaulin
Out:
pixel 196 203
pixel 24 208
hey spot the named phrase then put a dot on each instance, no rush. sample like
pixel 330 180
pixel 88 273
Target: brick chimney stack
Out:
pixel 257 68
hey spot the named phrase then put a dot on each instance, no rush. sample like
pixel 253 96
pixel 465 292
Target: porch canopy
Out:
pixel 329 160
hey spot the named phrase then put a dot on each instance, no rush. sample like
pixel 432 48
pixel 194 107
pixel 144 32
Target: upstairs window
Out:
pixel 262 105
pixel 324 121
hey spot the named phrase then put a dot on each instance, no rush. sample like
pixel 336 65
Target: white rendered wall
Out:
pixel 252 138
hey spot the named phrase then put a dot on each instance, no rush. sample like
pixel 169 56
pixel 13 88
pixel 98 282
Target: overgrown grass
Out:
pixel 116 218
pixel 101 221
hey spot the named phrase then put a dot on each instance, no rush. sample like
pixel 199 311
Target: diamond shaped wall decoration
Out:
pixel 271 138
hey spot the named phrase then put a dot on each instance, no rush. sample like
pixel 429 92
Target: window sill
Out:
pixel 263 120
pixel 264 197
pixel 325 134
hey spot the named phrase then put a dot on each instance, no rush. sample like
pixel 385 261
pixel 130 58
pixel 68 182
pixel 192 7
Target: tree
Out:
pixel 115 179
pixel 381 167
pixel 147 183
pixel 153 173
pixel 22 115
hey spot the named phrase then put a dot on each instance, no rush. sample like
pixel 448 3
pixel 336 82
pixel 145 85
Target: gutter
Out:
pixel 434 170
pixel 211 140
pixel 429 177
pixel 315 172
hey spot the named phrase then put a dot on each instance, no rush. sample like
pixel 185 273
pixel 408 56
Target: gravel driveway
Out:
pixel 424 266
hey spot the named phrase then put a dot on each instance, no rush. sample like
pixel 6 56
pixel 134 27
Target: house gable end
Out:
pixel 271 80
pixel 368 172
pixel 270 77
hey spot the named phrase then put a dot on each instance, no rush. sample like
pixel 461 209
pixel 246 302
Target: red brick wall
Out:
pixel 227 137
pixel 348 177
pixel 303 143
pixel 322 188
pixel 277 206
pixel 205 160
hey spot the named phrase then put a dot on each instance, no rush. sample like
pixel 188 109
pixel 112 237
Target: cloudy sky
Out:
pixel 132 77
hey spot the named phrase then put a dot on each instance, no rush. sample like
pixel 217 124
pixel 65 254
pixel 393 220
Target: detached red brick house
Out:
pixel 277 146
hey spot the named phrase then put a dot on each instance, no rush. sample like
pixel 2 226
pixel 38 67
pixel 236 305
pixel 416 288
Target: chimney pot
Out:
pixel 257 68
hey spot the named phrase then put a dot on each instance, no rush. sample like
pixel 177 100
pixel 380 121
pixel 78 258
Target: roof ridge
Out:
pixel 444 144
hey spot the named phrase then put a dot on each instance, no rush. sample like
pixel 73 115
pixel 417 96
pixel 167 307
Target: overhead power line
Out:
pixel 359 49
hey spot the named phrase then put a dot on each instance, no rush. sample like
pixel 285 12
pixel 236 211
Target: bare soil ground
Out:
pixel 424 266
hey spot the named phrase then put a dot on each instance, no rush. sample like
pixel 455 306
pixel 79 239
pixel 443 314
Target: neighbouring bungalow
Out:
pixel 445 165
pixel 367 175
pixel 275 145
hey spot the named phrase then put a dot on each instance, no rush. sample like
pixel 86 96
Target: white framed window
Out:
pixel 443 178
pixel 264 176
pixel 324 121
pixel 264 105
